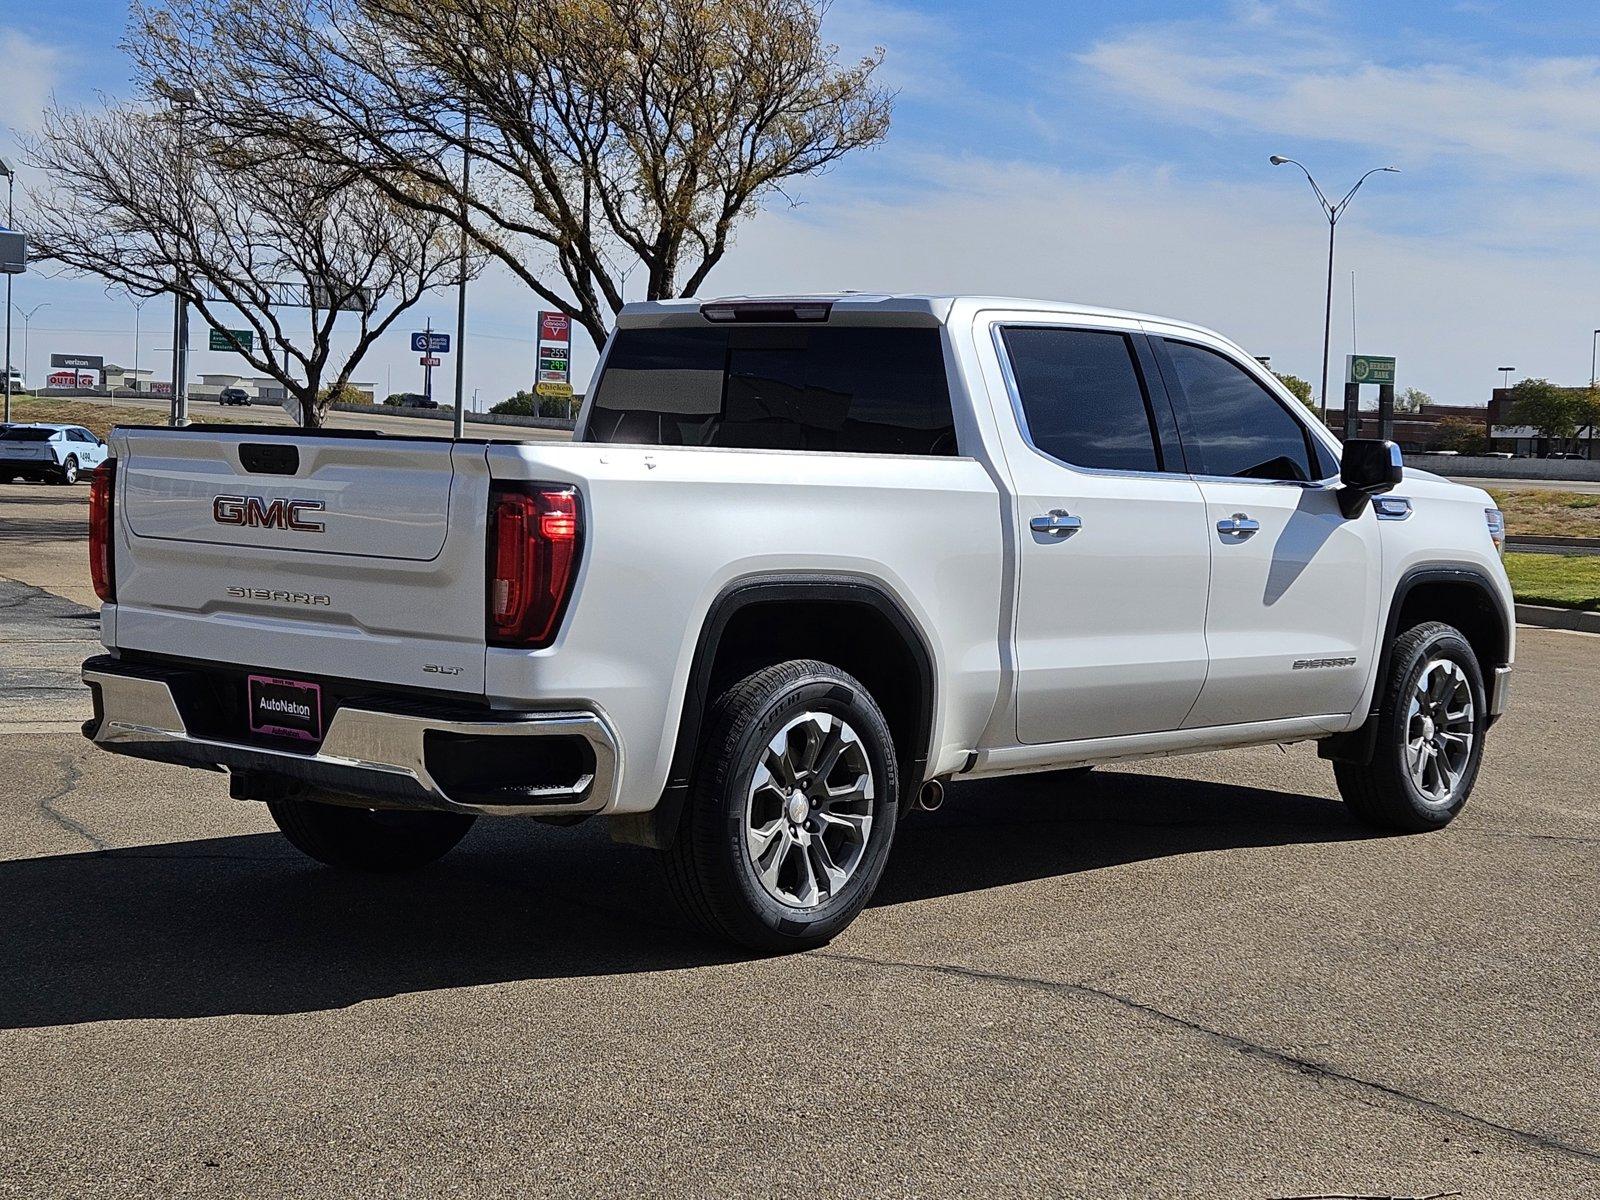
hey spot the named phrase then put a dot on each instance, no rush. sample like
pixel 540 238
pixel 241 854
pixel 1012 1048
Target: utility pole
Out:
pixel 182 99
pixel 11 185
pixel 427 363
pixel 460 421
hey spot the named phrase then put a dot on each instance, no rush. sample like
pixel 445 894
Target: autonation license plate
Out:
pixel 285 707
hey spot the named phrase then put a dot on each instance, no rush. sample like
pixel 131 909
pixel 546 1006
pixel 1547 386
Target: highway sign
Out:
pixel 431 343
pixel 1369 368
pixel 231 339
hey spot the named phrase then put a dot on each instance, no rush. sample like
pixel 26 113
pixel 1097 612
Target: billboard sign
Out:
pixel 1369 368
pixel 70 379
pixel 84 362
pixel 13 252
pixel 430 343
pixel 553 376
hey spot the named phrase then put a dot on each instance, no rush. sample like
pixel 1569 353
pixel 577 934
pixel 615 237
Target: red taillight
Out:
pixel 535 533
pixel 102 485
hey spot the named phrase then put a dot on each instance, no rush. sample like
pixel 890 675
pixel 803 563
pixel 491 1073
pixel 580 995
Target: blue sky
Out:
pixel 1116 153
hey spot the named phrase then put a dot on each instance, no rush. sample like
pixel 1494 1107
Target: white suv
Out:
pixel 59 453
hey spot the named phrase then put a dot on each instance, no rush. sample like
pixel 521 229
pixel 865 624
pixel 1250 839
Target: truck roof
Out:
pixel 932 308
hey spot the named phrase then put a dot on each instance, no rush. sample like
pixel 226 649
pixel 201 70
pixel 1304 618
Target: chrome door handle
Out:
pixel 1057 523
pixel 1238 525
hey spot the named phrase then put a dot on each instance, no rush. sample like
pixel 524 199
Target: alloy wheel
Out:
pixel 808 814
pixel 1440 727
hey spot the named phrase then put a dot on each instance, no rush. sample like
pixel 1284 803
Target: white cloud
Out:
pixel 1296 78
pixel 1230 257
pixel 30 72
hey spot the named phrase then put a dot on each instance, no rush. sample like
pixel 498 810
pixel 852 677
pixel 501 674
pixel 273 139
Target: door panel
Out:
pixel 1111 619
pixel 1112 580
pixel 1293 610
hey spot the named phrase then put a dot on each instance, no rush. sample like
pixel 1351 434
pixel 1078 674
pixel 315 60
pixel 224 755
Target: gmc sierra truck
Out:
pixel 805 561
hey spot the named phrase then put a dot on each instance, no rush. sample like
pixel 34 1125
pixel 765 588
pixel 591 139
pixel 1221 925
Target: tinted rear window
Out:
pixel 27 435
pixel 776 387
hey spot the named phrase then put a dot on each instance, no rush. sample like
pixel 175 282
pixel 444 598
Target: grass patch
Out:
pixel 1562 580
pixel 1544 513
pixel 99 418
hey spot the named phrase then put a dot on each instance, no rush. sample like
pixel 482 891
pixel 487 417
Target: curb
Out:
pixel 1558 618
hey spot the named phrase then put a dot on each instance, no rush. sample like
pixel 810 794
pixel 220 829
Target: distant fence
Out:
pixel 446 414
pixel 1466 466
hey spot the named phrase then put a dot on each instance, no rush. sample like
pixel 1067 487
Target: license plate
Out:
pixel 285 707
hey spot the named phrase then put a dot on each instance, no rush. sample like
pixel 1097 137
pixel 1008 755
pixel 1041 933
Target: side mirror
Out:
pixel 1368 467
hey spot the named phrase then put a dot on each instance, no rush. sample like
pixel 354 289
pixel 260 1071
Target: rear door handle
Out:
pixel 1239 526
pixel 1057 523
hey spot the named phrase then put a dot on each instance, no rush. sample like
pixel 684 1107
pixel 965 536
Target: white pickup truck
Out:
pixel 805 560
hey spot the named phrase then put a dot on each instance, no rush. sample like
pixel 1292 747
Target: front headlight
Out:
pixel 1497 528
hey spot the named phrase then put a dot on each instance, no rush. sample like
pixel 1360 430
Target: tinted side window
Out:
pixel 1083 397
pixel 839 388
pixel 1236 427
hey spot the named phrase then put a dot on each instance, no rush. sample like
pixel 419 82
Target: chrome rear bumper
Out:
pixel 366 754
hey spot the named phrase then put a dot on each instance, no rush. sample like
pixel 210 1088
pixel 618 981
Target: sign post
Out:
pixel 553 376
pixel 429 344
pixel 1368 368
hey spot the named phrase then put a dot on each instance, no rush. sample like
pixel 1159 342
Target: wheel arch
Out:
pixel 1460 594
pixel 854 622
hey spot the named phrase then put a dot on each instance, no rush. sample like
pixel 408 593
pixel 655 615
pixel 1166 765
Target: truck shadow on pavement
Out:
pixel 246 925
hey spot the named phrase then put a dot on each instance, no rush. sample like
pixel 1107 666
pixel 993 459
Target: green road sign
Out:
pixel 232 339
pixel 1368 368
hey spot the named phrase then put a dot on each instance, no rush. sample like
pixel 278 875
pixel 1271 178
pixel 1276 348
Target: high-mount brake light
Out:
pixel 102 490
pixel 768 310
pixel 535 536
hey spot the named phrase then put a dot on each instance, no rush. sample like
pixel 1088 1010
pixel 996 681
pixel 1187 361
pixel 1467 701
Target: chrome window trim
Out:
pixel 997 328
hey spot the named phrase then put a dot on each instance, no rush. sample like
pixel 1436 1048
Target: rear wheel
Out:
pixel 791 811
pixel 69 470
pixel 1430 735
pixel 364 839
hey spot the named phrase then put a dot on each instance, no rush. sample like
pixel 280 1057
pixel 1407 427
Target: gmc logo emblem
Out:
pixel 254 512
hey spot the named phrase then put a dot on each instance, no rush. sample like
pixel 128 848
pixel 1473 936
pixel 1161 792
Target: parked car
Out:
pixel 234 395
pixel 807 561
pixel 38 450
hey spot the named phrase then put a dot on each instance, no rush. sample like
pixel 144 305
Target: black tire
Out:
pixel 1383 793
pixel 69 470
pixel 360 839
pixel 709 865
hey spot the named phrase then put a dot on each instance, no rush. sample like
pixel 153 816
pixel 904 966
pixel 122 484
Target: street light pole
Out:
pixel 11 186
pixel 1333 212
pixel 27 321
pixel 459 420
pixel 1593 342
pixel 181 98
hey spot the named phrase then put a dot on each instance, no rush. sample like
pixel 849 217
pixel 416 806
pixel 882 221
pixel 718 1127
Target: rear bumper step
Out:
pixel 548 763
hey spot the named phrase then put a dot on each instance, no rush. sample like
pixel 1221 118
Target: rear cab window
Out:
pixel 1084 398
pixel 835 388
pixel 28 435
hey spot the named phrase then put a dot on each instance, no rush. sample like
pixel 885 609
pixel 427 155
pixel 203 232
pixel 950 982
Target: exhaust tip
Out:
pixel 931 797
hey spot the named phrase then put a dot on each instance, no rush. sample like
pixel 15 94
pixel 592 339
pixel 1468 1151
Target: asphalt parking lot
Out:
pixel 1192 977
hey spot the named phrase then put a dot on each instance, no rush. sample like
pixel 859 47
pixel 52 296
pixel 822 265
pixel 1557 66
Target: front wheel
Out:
pixel 379 841
pixel 1430 735
pixel 791 811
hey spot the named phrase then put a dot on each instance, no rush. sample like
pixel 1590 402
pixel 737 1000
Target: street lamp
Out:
pixel 1333 212
pixel 10 173
pixel 27 318
pixel 182 99
pixel 1505 377
pixel 1593 342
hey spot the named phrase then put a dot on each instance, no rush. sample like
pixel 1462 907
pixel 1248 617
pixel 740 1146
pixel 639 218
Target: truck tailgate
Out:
pixel 356 557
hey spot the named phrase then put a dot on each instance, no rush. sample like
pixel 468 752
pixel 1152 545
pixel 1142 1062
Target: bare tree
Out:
pixel 286 242
pixel 605 134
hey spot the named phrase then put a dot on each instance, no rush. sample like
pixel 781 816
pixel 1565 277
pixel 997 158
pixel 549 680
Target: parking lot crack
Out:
pixel 55 816
pixel 1255 1050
